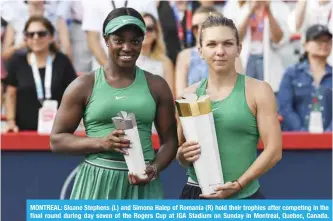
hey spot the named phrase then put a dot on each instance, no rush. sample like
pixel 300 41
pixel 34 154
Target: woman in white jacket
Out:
pixel 311 12
pixel 264 32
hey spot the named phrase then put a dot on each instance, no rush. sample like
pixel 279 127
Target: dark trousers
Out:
pixel 193 192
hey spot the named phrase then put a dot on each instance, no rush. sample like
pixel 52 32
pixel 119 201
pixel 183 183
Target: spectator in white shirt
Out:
pixel 263 30
pixel 72 11
pixel 311 12
pixel 94 13
pixel 18 12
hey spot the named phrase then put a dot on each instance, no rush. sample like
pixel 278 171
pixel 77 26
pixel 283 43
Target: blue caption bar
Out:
pixel 71 210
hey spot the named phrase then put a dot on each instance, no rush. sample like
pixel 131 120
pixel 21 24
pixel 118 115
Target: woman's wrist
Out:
pixel 242 181
pixel 10 119
pixel 100 143
pixel 178 153
pixel 240 186
pixel 181 159
pixel 155 168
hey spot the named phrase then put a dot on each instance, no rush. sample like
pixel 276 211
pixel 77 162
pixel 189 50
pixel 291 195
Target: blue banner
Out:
pixel 70 210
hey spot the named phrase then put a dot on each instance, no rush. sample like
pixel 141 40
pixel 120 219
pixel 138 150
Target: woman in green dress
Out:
pixel 244 110
pixel 96 97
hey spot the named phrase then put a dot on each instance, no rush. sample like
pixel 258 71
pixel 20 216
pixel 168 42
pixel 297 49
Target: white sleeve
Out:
pixel 8 10
pixel 91 20
pixel 281 12
pixel 151 8
pixel 235 13
pixel 292 21
pixel 64 9
pixel 307 18
pixel 228 10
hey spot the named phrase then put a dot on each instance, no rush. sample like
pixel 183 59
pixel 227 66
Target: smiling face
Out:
pixel 219 48
pixel 125 46
pixel 37 37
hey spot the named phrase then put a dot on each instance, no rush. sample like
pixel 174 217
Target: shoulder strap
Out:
pixel 201 90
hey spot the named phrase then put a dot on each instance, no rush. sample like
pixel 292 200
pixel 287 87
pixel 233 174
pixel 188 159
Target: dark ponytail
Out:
pixel 53 47
pixel 303 57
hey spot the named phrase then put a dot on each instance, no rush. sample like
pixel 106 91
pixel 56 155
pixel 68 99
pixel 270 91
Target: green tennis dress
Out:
pixel 237 136
pixel 105 175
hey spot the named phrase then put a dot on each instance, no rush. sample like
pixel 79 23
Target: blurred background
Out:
pixel 286 43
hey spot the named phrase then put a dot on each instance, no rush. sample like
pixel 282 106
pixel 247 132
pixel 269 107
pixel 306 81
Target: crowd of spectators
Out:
pixel 286 43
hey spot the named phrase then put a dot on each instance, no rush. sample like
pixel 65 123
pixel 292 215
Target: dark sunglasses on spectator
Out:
pixel 40 34
pixel 150 28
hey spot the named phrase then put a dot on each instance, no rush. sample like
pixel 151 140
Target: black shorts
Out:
pixel 193 192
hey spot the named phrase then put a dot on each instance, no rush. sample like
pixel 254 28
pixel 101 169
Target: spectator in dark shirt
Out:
pixel 41 74
pixel 176 21
pixel 307 86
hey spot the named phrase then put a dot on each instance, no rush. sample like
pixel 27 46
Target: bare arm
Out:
pixel 11 109
pixel 11 94
pixel 165 122
pixel 275 29
pixel 169 74
pixel 10 102
pixel 270 133
pixel 300 13
pixel 96 48
pixel 68 118
pixel 181 140
pixel 182 67
pixel 64 36
pixel 244 26
pixel 8 48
